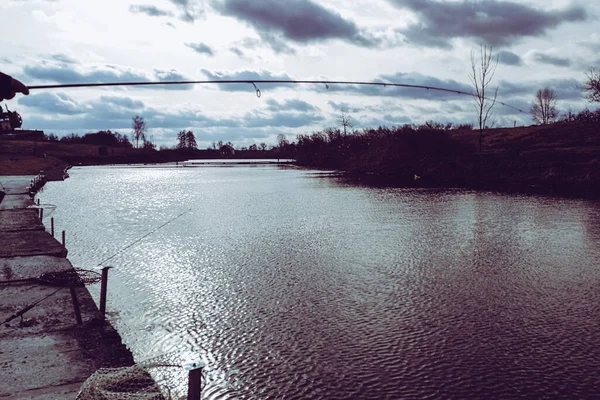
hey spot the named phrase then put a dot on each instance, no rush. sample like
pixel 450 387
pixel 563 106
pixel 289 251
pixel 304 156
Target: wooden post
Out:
pixel 52 226
pixel 103 289
pixel 38 202
pixel 64 244
pixel 76 305
pixel 41 213
pixel 194 379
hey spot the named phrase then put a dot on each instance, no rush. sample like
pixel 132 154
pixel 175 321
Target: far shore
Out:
pixel 561 159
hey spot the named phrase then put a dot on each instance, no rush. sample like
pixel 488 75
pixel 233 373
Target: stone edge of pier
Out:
pixel 45 354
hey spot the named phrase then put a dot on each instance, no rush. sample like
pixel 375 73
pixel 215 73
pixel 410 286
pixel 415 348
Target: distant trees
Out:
pixel 482 72
pixel 101 138
pixel 543 110
pixel 591 87
pixel 139 130
pixel 186 140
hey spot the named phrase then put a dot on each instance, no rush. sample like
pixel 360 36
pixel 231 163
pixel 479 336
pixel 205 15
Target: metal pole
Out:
pixel 103 289
pixel 76 305
pixel 64 243
pixel 52 226
pixel 41 213
pixel 194 379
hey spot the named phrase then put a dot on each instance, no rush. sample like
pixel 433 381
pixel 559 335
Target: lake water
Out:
pixel 298 285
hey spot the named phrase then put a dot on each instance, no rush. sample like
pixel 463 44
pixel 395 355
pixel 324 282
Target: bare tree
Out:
pixel 543 109
pixel 345 121
pixel 282 140
pixel 483 69
pixel 139 130
pixel 592 86
pixel 191 140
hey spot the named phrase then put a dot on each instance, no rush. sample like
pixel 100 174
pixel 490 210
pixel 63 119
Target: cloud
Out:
pixel 248 44
pixel 343 106
pixel 246 75
pixel 124 102
pixel 53 103
pixel 65 73
pixel 190 9
pixel 151 11
pixel 497 22
pixel 236 51
pixel 299 21
pixel 509 58
pixel 62 58
pixel 566 89
pixel 543 58
pixel 201 48
pixel 412 78
pixel 281 119
pixel 291 105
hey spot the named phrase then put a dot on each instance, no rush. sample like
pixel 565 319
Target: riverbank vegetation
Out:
pixel 561 158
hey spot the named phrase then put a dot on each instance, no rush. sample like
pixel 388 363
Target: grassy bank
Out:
pixel 563 158
pixel 18 157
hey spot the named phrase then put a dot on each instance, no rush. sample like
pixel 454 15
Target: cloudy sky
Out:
pixel 424 42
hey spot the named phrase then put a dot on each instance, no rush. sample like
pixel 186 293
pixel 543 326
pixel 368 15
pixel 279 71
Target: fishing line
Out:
pixel 143 237
pixel 268 81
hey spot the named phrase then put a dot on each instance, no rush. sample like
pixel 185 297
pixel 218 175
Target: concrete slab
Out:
pixel 41 361
pixel 13 201
pixel 31 267
pixel 29 243
pixel 17 184
pixel 24 219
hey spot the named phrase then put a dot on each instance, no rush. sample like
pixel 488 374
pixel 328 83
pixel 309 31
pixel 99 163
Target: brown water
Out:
pixel 297 285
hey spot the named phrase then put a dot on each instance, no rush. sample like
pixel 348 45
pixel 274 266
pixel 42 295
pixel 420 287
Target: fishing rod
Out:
pixel 143 237
pixel 29 307
pixel 253 82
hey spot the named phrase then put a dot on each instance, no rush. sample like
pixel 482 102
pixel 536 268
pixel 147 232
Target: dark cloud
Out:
pixel 151 11
pixel 291 105
pixel 190 9
pixel 543 58
pixel 496 22
pixel 201 48
pixel 300 21
pixel 246 75
pixel 509 58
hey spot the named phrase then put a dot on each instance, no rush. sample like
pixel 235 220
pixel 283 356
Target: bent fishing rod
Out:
pixel 253 82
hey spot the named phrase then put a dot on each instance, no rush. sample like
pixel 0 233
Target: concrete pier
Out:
pixel 44 354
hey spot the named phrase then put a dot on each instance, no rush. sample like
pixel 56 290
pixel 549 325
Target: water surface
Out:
pixel 298 285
